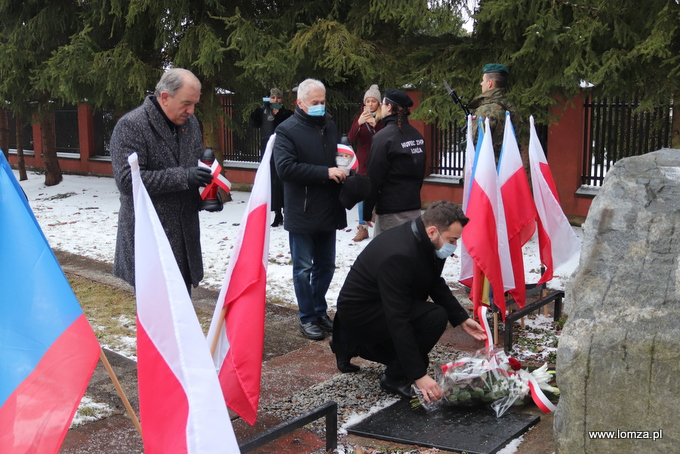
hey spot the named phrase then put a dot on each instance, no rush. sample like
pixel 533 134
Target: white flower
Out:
pixel 543 377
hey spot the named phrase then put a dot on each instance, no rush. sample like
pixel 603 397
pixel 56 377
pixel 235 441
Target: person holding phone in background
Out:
pixel 267 117
pixel 364 127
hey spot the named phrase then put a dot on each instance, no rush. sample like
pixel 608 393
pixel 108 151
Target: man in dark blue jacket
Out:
pixel 304 152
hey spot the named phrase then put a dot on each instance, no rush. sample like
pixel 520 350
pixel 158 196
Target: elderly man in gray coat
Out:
pixel 166 136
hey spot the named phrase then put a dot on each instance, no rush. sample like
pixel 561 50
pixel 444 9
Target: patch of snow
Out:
pixel 80 215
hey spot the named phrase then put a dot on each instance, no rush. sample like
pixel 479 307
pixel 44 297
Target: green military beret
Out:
pixel 495 68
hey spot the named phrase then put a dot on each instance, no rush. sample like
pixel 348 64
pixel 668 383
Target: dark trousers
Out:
pixel 428 321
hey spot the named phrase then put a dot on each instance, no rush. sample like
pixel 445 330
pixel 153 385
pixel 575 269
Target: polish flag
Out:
pixel 486 235
pixel 180 401
pixel 520 212
pixel 466 262
pixel 236 334
pixel 557 241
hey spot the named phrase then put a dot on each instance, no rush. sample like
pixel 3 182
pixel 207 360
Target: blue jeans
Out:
pixel 360 207
pixel 313 257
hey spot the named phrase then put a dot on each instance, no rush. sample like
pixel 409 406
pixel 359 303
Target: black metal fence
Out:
pixel 66 130
pixel 242 142
pixel 103 123
pixel 615 130
pixel 27 132
pixel 447 151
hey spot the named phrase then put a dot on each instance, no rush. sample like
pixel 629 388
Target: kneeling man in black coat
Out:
pixel 394 304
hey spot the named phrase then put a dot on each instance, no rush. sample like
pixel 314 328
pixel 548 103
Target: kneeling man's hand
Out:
pixel 430 389
pixel 473 329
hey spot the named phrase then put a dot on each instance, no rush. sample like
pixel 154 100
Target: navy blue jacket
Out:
pixel 304 150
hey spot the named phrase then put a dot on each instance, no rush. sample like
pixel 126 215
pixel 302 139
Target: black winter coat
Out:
pixel 259 119
pixel 162 163
pixel 396 168
pixel 397 268
pixel 304 150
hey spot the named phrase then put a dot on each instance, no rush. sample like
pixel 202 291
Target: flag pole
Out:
pixel 220 325
pixel 120 391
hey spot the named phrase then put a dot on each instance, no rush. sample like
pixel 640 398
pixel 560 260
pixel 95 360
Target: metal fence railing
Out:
pixel 613 129
pixel 447 149
pixel 242 142
pixel 67 139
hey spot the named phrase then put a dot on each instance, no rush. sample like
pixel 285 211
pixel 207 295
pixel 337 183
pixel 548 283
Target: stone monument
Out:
pixel 618 359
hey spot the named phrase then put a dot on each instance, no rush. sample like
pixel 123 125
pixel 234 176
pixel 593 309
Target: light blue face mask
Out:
pixel 316 111
pixel 446 250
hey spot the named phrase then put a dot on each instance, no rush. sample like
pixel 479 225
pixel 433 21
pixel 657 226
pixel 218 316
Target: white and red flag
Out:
pixel 466 263
pixel 486 235
pixel 236 334
pixel 557 241
pixel 520 212
pixel 180 401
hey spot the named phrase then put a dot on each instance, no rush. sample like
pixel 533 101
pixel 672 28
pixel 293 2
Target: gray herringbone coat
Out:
pixel 162 163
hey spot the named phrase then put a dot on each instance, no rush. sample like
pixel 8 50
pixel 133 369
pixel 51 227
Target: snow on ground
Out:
pixel 80 215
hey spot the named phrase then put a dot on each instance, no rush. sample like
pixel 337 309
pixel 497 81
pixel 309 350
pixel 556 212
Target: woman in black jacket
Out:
pixel 396 166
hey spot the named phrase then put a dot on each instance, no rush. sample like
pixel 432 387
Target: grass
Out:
pixel 112 314
pixel 110 311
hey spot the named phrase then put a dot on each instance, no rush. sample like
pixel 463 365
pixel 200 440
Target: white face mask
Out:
pixel 446 250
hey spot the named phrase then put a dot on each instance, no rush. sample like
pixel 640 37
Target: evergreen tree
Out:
pixel 29 32
pixel 614 47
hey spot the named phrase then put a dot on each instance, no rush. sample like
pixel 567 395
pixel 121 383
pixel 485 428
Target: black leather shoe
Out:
pixel 312 331
pixel 343 354
pixel 325 323
pixel 401 387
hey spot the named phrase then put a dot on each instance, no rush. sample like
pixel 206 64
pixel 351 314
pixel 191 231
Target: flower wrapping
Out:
pixel 489 377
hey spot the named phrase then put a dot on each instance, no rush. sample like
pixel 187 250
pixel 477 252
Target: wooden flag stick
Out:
pixel 220 325
pixel 120 391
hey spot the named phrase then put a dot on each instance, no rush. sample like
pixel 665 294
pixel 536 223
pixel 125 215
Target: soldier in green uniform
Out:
pixel 493 102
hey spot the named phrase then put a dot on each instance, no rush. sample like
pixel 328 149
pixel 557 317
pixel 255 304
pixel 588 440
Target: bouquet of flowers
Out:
pixel 487 377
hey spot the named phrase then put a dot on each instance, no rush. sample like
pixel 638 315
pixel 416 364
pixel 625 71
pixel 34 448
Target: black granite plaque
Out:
pixel 475 430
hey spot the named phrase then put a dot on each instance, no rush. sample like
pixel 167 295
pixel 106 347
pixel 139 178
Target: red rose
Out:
pixel 514 364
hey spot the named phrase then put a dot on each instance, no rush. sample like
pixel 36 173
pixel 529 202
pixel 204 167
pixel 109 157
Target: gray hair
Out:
pixel 306 86
pixel 173 79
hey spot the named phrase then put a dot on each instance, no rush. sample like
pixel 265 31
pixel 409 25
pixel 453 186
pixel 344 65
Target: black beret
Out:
pixel 398 97
pixel 355 189
pixel 495 68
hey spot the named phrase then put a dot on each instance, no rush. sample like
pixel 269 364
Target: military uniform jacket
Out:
pixel 395 269
pixel 304 150
pixel 162 162
pixel 396 168
pixel 492 105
